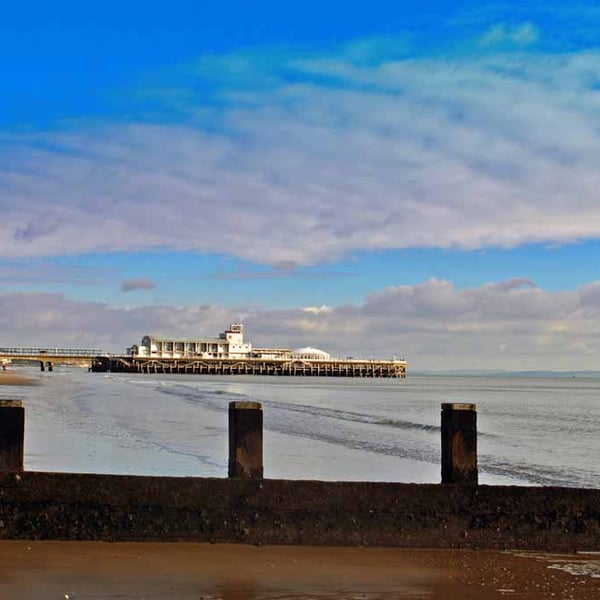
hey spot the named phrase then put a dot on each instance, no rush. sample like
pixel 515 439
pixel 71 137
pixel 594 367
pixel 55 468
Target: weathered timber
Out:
pixel 245 440
pixel 12 434
pixel 459 443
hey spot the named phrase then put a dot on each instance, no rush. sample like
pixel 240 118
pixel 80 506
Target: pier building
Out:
pixel 229 344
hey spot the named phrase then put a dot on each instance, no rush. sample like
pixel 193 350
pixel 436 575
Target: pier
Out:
pixel 48 357
pixel 252 366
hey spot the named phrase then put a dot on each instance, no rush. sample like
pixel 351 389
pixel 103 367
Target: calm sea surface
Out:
pixel 542 431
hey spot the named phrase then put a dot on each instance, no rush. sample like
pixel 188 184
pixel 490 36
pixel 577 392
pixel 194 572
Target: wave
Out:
pixel 326 425
pixel 376 434
pixel 204 397
pixel 536 474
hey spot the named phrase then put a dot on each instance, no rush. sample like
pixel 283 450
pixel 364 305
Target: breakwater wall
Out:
pixel 246 508
pixel 252 366
pixel 62 506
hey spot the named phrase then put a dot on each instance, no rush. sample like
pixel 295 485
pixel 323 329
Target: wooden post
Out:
pixel 12 435
pixel 50 366
pixel 459 443
pixel 42 366
pixel 245 440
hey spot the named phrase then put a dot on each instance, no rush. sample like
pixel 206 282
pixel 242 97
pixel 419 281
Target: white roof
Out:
pixel 309 350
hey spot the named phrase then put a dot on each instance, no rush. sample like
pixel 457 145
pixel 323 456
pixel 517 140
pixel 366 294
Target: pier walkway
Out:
pixel 48 357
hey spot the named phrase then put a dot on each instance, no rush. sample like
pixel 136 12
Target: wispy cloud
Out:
pixel 42 271
pixel 307 157
pixel 279 270
pixel 520 35
pixel 133 285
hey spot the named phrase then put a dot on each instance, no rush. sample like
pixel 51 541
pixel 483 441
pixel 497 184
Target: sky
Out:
pixel 375 178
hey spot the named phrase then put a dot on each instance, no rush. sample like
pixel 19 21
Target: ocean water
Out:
pixel 540 431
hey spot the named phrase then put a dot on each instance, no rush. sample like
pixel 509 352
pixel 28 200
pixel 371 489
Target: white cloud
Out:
pixel 510 325
pixel 317 310
pixel 520 35
pixel 498 150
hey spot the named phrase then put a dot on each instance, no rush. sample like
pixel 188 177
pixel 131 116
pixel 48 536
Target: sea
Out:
pixel 531 430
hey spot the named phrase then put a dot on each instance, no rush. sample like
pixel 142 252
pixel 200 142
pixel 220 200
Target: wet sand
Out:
pixel 7 378
pixel 92 570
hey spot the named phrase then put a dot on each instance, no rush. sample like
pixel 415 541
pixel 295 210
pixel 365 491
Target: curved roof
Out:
pixel 311 351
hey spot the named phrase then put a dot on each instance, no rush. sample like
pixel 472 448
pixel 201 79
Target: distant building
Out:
pixel 229 344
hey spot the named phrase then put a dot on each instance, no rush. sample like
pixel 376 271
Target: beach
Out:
pixel 93 571
pixel 79 422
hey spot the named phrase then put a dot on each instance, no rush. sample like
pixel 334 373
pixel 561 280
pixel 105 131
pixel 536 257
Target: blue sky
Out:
pixel 173 166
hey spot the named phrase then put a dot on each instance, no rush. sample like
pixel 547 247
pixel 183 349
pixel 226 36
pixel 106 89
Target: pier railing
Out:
pixel 59 352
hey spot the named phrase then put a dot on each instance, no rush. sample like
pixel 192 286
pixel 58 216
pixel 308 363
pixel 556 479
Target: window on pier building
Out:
pixel 178 346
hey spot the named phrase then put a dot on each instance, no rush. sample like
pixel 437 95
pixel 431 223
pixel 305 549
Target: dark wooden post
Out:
pixel 459 443
pixel 42 366
pixel 245 440
pixel 12 435
pixel 50 366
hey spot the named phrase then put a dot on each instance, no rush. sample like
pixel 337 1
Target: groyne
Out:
pixel 252 366
pixel 248 508
pixel 64 506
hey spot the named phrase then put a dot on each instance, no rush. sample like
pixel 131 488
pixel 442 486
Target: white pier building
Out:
pixel 229 344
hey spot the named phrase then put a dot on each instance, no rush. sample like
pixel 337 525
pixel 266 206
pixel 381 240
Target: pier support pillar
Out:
pixel 50 366
pixel 12 435
pixel 245 440
pixel 42 366
pixel 459 443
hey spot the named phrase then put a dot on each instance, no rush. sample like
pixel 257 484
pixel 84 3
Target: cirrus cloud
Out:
pixel 307 158
pixel 133 285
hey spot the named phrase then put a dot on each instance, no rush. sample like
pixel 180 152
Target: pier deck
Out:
pixel 252 366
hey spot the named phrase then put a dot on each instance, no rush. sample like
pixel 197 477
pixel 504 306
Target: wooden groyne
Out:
pixel 70 506
pixel 252 366
pixel 246 508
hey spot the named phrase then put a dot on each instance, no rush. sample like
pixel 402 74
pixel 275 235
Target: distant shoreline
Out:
pixel 491 373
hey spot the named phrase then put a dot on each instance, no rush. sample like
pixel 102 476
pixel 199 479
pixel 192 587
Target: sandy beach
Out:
pixel 91 570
